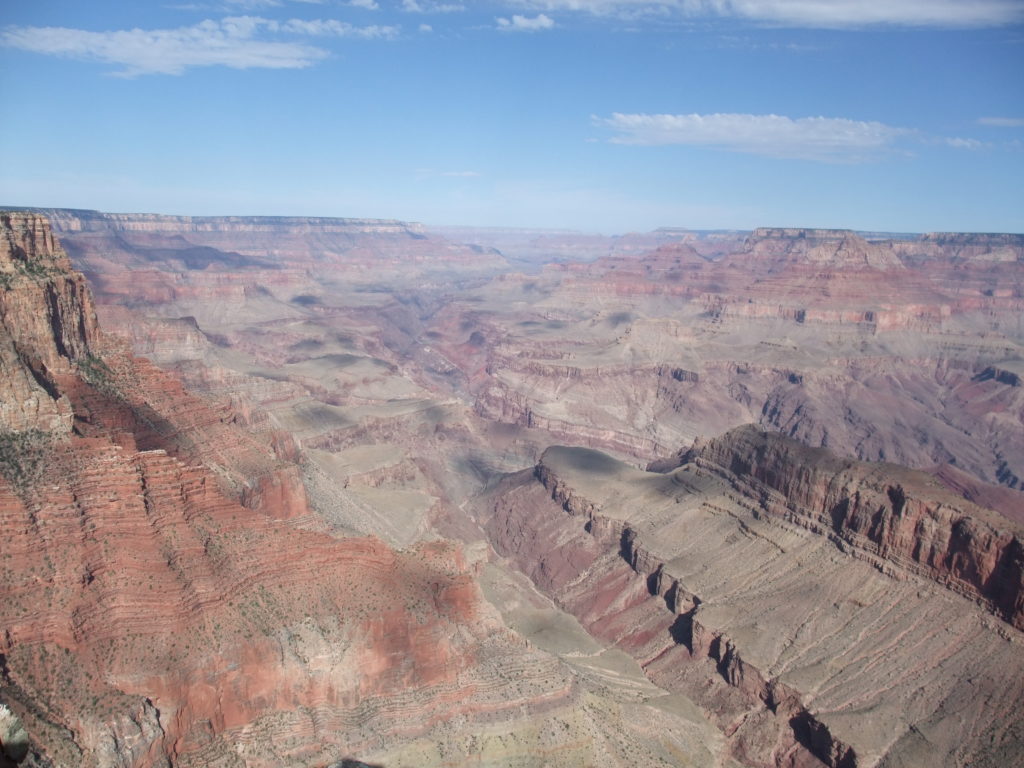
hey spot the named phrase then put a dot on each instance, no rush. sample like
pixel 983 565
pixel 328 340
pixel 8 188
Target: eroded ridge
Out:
pixel 800 651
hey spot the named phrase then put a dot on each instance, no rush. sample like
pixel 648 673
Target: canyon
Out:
pixel 328 489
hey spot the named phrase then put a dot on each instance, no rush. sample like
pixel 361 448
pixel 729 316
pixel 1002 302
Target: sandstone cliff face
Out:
pixel 46 322
pixel 900 519
pixel 801 653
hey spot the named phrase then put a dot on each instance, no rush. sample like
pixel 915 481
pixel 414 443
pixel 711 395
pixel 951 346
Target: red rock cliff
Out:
pixel 900 518
pixel 46 322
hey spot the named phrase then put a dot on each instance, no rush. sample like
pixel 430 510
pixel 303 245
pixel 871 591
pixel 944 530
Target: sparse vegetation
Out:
pixel 100 375
pixel 22 457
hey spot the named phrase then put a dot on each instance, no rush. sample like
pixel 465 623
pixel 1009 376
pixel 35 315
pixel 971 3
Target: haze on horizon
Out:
pixel 601 115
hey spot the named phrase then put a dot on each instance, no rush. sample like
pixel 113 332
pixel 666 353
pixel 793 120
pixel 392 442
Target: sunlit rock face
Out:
pixel 47 323
pixel 821 610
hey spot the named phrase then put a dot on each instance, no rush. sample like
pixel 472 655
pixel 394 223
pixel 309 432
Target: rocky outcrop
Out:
pixel 833 249
pixel 47 322
pixel 785 640
pixel 156 620
pixel 903 521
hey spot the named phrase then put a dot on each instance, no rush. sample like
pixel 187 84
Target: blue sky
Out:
pixel 601 115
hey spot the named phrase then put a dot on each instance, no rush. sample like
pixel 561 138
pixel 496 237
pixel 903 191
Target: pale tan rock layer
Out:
pixel 803 646
pixel 903 521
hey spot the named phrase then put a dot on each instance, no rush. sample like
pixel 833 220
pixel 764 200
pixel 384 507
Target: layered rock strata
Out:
pixel 824 335
pixel 804 647
pixel 821 334
pixel 47 320
pixel 168 599
pixel 900 520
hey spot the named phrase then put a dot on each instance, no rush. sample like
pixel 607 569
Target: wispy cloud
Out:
pixel 1002 122
pixel 333 28
pixel 237 42
pixel 525 24
pixel 960 143
pixel 825 14
pixel 369 5
pixel 252 5
pixel 430 6
pixel 826 139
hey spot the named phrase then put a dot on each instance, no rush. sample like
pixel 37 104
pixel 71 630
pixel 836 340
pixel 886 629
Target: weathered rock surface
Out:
pixel 821 334
pixel 803 650
pixel 898 519
pixel 167 598
pixel 903 350
pixel 47 322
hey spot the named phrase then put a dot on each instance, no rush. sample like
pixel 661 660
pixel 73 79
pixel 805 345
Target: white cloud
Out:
pixel 430 6
pixel 524 24
pixel 827 139
pixel 335 28
pixel 370 5
pixel 827 14
pixel 251 5
pixel 426 28
pixel 960 143
pixel 231 42
pixel 1002 122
